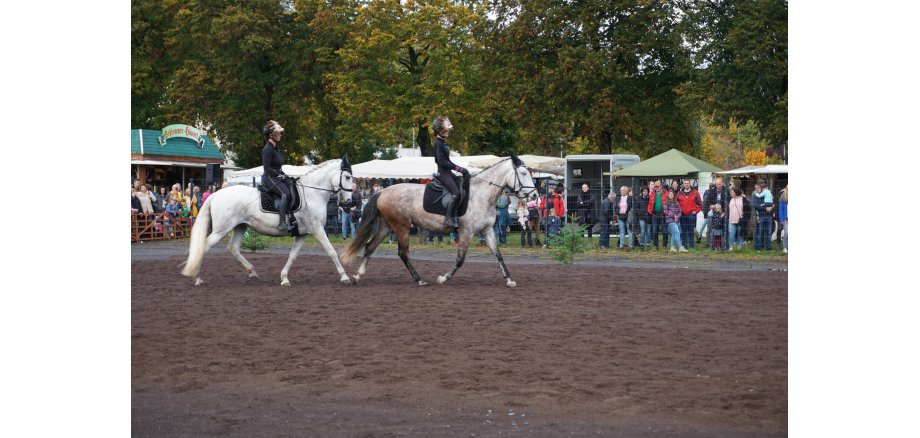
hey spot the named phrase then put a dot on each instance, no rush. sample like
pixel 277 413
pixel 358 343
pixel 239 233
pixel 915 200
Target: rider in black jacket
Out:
pixel 442 129
pixel 272 175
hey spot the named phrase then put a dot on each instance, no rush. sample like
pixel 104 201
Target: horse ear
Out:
pixel 345 164
pixel 517 161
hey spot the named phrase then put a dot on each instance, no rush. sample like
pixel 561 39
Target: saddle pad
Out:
pixel 268 202
pixel 431 202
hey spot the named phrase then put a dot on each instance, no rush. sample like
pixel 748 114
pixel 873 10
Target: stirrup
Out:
pixel 284 225
pixel 451 222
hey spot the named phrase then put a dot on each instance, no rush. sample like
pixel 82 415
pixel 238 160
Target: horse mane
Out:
pixel 494 164
pixel 320 166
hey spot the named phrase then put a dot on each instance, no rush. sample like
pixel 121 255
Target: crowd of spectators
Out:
pixel 659 216
pixel 162 207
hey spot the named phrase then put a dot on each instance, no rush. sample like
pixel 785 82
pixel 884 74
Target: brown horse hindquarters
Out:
pixel 403 208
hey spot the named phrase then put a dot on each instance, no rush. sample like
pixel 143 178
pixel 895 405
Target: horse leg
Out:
pixel 234 248
pixel 212 240
pixel 382 232
pixel 320 234
pixel 295 251
pixel 490 242
pixel 464 239
pixel 402 236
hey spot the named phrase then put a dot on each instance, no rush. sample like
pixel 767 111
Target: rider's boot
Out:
pixel 282 214
pixel 450 219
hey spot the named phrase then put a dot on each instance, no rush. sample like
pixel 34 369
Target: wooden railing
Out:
pixel 155 227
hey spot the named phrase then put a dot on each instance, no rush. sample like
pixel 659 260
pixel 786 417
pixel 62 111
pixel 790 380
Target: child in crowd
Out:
pixel 553 227
pixel 184 211
pixel 172 211
pixel 716 219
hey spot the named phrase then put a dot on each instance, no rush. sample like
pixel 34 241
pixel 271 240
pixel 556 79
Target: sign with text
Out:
pixel 186 131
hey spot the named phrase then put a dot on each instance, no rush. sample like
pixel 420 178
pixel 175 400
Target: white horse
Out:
pixel 236 208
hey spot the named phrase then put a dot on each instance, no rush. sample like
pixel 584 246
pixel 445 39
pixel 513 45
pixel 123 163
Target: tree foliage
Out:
pixel 740 62
pixel 537 76
pixel 403 64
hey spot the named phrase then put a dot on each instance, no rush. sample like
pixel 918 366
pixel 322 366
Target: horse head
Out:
pixel 522 182
pixel 342 181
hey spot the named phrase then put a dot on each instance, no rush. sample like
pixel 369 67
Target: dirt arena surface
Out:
pixel 573 351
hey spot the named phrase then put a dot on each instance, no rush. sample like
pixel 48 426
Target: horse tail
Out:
pixel 366 231
pixel 197 240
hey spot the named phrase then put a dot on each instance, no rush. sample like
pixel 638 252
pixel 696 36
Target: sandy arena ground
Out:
pixel 585 350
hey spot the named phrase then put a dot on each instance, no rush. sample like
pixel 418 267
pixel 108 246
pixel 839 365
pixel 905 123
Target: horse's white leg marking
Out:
pixel 295 251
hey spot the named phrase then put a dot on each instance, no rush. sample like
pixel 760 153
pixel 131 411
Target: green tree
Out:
pixel 231 66
pixel 403 64
pixel 592 70
pixel 740 62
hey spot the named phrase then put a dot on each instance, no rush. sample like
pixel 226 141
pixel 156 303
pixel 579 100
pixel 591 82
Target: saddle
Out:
pixel 436 197
pixel 268 203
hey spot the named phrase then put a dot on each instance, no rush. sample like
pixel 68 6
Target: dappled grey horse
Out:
pixel 399 206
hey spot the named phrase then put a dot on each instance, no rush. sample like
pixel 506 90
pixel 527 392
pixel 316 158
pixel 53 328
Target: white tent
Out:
pixel 553 165
pixel 412 167
pixel 405 168
pixel 770 168
pixel 246 176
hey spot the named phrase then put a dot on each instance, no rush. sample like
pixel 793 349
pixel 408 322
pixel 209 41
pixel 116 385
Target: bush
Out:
pixel 254 241
pixel 572 241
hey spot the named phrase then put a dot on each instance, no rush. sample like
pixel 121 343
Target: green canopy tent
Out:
pixel 670 163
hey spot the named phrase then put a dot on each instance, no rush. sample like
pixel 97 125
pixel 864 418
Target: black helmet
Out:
pixel 441 123
pixel 270 128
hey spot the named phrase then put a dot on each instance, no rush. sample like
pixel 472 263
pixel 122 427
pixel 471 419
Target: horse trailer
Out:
pixel 598 172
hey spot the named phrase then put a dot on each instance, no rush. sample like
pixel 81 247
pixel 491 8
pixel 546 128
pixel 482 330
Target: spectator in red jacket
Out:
pixel 656 211
pixel 552 200
pixel 690 204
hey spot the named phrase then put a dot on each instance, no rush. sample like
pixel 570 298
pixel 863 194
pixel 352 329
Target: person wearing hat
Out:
pixel 442 129
pixel 272 175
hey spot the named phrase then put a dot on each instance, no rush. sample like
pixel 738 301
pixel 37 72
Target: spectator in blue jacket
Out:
pixel 784 217
pixel 553 226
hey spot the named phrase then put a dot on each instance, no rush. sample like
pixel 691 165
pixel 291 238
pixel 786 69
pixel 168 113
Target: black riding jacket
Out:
pixel 442 157
pixel 271 169
pixel 271 160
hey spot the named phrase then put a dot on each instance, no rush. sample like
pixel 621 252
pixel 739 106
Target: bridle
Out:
pixel 517 182
pixel 339 189
pixel 336 191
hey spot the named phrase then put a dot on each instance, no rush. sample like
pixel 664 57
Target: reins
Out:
pixel 517 179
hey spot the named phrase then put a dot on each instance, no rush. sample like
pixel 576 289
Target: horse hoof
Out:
pixel 252 274
pixel 345 280
pixel 441 279
pixel 422 283
pixel 285 282
pixel 198 281
pixel 511 283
